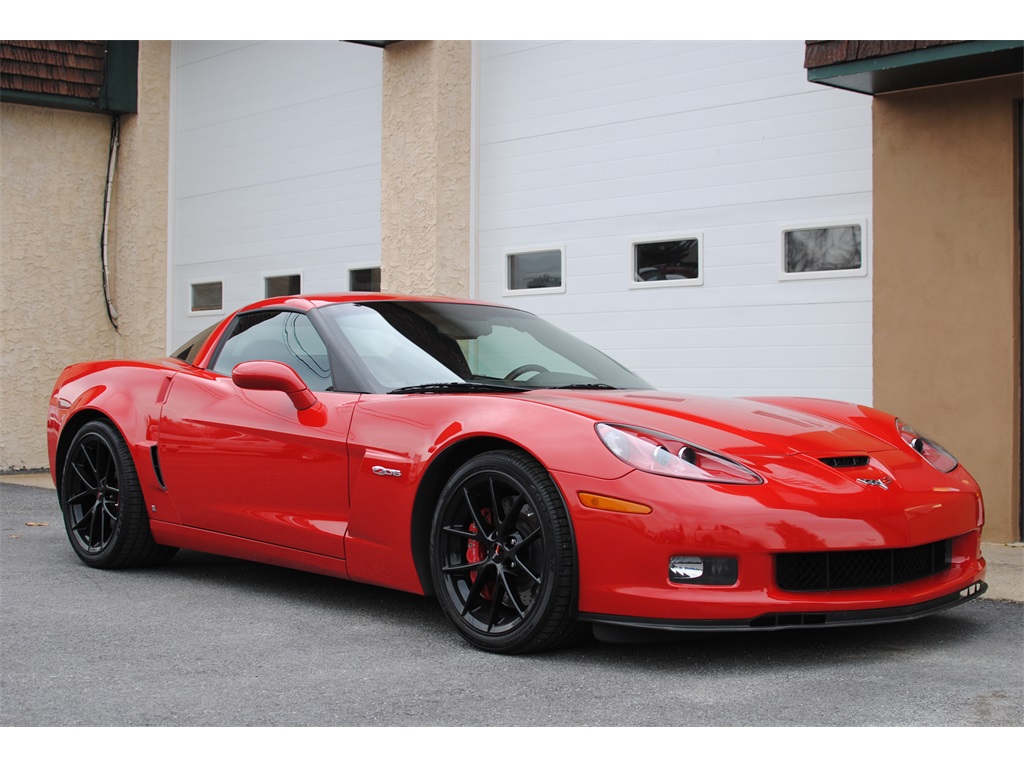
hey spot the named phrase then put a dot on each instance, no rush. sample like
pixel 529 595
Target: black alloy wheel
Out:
pixel 502 555
pixel 104 511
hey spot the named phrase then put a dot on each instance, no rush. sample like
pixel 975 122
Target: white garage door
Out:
pixel 639 195
pixel 275 173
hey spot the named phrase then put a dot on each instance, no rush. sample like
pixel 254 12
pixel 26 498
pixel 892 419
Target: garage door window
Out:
pixel 825 251
pixel 206 297
pixel 364 279
pixel 539 271
pixel 667 261
pixel 282 285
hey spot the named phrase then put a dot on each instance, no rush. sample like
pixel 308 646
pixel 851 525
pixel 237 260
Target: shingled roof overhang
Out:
pixel 934 65
pixel 97 76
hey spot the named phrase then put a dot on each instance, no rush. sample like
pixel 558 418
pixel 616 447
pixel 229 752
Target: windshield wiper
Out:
pixel 594 385
pixel 454 387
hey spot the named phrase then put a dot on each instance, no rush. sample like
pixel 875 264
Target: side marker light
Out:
pixel 609 504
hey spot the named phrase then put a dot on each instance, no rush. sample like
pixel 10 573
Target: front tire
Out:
pixel 104 512
pixel 502 555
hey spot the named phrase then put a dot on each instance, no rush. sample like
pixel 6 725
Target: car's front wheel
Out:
pixel 104 511
pixel 502 555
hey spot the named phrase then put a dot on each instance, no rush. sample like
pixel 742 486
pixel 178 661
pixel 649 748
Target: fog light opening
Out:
pixel 686 568
pixel 695 569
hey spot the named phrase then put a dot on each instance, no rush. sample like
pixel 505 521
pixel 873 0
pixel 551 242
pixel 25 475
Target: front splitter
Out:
pixel 628 628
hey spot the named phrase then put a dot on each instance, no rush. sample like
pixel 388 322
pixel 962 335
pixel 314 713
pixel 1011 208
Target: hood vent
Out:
pixel 845 462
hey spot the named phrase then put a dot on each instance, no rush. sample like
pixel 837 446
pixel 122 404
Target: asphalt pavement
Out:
pixel 211 641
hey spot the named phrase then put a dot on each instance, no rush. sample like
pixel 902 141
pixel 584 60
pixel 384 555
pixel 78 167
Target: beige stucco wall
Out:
pixel 946 260
pixel 53 166
pixel 425 167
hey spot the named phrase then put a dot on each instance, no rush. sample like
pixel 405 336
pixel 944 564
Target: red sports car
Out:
pixel 539 489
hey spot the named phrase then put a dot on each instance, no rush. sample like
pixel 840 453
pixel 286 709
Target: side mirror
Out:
pixel 274 376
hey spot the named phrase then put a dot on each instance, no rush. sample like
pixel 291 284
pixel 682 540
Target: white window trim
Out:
pixel 281 273
pixel 506 291
pixel 207 312
pixel 350 268
pixel 825 274
pixel 661 284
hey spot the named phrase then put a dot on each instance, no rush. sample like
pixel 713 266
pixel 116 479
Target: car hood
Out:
pixel 737 426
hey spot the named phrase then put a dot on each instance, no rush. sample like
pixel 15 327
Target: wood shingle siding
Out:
pixel 822 53
pixel 72 68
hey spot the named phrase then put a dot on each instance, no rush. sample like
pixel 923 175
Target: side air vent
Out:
pixel 845 462
pixel 156 467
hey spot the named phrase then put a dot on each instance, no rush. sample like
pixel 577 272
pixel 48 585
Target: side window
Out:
pixel 287 337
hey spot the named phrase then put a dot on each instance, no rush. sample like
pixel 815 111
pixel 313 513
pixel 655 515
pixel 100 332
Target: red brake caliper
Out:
pixel 475 554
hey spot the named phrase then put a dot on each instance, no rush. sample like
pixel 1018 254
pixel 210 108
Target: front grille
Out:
pixel 860 569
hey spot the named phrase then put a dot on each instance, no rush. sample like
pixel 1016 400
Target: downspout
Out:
pixel 115 129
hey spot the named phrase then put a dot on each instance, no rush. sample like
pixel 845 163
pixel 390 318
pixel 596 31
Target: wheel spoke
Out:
pixel 97 523
pixel 496 510
pixel 86 520
pixel 88 492
pixel 521 568
pixel 526 540
pixel 464 567
pixel 103 527
pixel 110 514
pixel 513 597
pixel 92 464
pixel 477 517
pixel 89 485
pixel 474 593
pixel 512 518
pixel 463 532
pixel 492 617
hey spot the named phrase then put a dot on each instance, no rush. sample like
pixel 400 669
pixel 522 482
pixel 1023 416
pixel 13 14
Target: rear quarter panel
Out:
pixel 127 394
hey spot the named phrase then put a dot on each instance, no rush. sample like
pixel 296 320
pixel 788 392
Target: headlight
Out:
pixel 662 454
pixel 933 453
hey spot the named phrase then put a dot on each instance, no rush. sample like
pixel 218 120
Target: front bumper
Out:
pixel 623 558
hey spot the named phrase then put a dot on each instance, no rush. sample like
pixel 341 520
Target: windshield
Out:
pixel 413 344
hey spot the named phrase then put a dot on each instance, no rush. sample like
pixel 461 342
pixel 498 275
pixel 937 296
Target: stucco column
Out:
pixel 53 169
pixel 139 217
pixel 946 315
pixel 425 167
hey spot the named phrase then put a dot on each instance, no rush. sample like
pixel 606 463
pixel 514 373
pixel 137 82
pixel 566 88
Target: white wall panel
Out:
pixel 275 167
pixel 597 144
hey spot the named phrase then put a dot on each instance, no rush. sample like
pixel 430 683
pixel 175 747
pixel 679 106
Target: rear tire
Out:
pixel 104 511
pixel 502 555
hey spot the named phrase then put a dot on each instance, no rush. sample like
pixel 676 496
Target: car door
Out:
pixel 248 463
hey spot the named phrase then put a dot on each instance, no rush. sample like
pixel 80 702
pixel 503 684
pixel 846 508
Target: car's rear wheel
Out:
pixel 104 511
pixel 502 555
